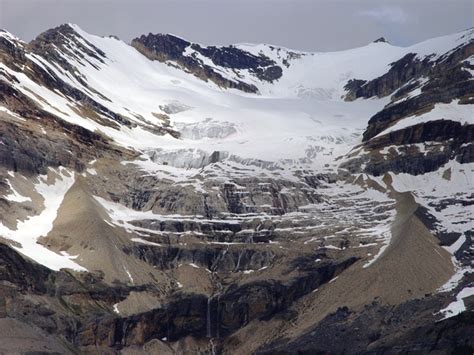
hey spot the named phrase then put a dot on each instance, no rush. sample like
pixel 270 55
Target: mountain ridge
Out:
pixel 188 202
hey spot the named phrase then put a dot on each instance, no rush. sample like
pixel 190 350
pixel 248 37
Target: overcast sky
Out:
pixel 313 25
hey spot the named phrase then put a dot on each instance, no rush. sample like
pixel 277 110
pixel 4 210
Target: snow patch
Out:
pixel 29 231
pixel 458 306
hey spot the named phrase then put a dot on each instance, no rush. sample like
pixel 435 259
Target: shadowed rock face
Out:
pixel 410 68
pixel 446 80
pixel 214 259
pixel 381 40
pixel 26 276
pixel 263 300
pixel 218 316
pixel 422 103
pixel 187 314
pixel 376 330
pixel 165 47
pixel 454 142
pixel 401 72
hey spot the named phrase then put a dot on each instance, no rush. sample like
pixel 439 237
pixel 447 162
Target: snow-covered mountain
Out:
pixel 171 196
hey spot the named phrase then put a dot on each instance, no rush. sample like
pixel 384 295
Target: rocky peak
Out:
pixel 10 48
pixel 57 36
pixel 54 34
pixel 63 48
pixel 381 40
pixel 233 57
pixel 7 35
pixel 65 38
pixel 413 84
pixel 163 46
pixel 196 59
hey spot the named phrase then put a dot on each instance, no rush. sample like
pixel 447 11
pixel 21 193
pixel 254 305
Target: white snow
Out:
pixel 29 231
pixel 140 240
pixel 431 189
pixel 333 279
pixel 303 111
pixel 15 196
pixel 10 37
pixel 13 114
pixel 458 306
pixel 385 235
pixel 452 112
pixel 128 274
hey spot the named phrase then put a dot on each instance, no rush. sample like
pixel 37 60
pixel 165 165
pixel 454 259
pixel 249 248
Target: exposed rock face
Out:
pixel 446 140
pixel 25 151
pixel 172 49
pixel 440 81
pixel 59 46
pixel 214 259
pixel 186 315
pixel 410 68
pixel 381 40
pixel 401 72
pixel 383 335
pixel 264 299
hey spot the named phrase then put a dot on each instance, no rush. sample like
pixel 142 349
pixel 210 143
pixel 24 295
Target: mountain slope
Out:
pixel 238 199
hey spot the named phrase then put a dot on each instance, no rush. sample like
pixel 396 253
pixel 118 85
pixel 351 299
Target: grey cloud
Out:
pixel 388 14
pixel 312 25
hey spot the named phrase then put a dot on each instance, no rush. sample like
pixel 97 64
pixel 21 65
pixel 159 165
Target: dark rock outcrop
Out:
pixel 263 299
pixel 216 259
pixel 381 40
pixel 26 151
pixel 169 48
pixel 442 80
pixel 84 321
pixel 380 329
pixel 454 142
pixel 409 68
